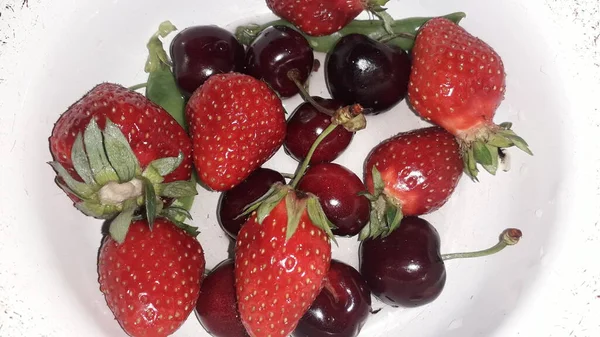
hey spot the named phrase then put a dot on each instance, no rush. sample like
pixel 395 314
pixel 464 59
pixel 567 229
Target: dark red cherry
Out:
pixel 216 308
pixel 232 202
pixel 338 191
pixel 306 124
pixel 274 52
pixel 404 268
pixel 199 52
pixel 342 307
pixel 361 70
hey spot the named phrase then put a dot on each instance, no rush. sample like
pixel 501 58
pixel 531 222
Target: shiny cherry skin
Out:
pixel 361 70
pixel 405 268
pixel 274 52
pixel 342 307
pixel 338 191
pixel 306 124
pixel 232 202
pixel 199 52
pixel 216 308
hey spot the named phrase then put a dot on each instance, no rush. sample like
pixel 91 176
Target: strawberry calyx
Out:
pixel 483 145
pixel 296 203
pixel 112 184
pixel 157 56
pixel 386 213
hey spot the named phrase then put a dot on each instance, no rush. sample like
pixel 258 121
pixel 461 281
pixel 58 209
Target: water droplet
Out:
pixel 524 169
pixel 539 213
pixel 455 324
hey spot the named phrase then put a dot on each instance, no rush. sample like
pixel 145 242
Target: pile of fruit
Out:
pixel 212 115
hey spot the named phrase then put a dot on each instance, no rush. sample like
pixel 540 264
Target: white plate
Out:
pixel 53 51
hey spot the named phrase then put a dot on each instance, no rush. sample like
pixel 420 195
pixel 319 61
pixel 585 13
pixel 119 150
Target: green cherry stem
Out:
pixel 306 160
pixel 138 86
pixel 509 237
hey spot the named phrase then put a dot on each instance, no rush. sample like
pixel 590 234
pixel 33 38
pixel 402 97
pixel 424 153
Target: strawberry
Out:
pixel 237 123
pixel 115 151
pixel 457 82
pixel 281 257
pixel 410 174
pixel 151 281
pixel 319 17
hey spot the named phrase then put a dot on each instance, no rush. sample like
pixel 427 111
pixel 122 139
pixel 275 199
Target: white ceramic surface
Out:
pixel 51 52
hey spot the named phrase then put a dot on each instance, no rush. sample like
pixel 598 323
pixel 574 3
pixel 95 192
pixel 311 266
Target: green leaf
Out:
pixel 266 206
pixel 378 184
pixel 493 167
pixel 472 170
pixel 177 189
pixel 521 144
pixel 162 89
pixel 506 125
pixel 318 217
pixel 499 140
pixel 180 213
pixel 157 55
pixel 120 225
pixel 150 202
pixel 96 210
pixel 101 169
pixel 481 153
pixel 294 208
pixel 394 217
pixel 119 153
pixel 164 166
pixel 78 188
pixel 81 162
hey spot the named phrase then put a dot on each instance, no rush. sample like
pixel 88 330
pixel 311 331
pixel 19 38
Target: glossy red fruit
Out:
pixel 217 305
pixel 342 307
pixel 420 169
pixel 364 71
pixel 318 17
pixel 404 268
pixel 338 191
pixel 151 281
pixel 237 123
pixel 276 51
pixel 279 267
pixel 306 124
pixel 199 52
pixel 233 202
pixel 458 82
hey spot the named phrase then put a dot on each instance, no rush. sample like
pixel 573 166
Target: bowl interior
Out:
pixel 105 41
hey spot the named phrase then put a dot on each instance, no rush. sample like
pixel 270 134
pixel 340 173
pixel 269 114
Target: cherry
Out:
pixel 338 191
pixel 306 124
pixel 342 307
pixel 216 308
pixel 406 268
pixel 274 52
pixel 232 202
pixel 201 51
pixel 361 70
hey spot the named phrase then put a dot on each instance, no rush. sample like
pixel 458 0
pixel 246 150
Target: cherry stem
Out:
pixel 302 168
pixel 138 86
pixel 293 76
pixel 388 38
pixel 509 237
pixel 387 20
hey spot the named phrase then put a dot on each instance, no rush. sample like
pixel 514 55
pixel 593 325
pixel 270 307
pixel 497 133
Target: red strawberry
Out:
pixel 457 82
pixel 320 17
pixel 237 123
pixel 282 255
pixel 410 174
pixel 115 150
pixel 152 280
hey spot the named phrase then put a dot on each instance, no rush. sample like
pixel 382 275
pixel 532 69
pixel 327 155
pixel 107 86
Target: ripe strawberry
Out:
pixel 282 255
pixel 318 17
pixel 237 123
pixel 115 151
pixel 152 280
pixel 457 82
pixel 410 174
